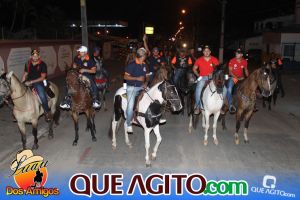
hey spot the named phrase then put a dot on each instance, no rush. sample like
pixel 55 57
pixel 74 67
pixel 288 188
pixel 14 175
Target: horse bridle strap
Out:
pixel 21 95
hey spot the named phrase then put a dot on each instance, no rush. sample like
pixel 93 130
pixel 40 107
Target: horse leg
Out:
pixel 248 116
pixel 203 120
pixel 89 116
pixel 75 119
pixel 158 141
pixel 147 146
pixel 191 123
pixel 114 124
pixel 50 133
pixel 22 129
pixel 264 102
pixel 237 126
pixel 216 116
pixel 275 97
pixel 34 133
pixel 127 141
pixel 270 102
pixel 206 117
pixel 104 99
pixel 224 122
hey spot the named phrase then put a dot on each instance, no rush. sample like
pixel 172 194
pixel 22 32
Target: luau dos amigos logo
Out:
pixel 30 175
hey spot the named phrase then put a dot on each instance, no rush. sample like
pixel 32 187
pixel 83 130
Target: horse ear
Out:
pixel 9 75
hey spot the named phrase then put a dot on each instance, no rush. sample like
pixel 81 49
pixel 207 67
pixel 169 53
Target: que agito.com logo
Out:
pixel 30 175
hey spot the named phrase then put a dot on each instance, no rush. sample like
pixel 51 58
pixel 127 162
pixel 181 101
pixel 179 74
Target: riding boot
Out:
pixel 48 116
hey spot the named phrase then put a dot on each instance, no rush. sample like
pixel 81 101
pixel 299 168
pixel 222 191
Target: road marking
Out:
pixel 84 155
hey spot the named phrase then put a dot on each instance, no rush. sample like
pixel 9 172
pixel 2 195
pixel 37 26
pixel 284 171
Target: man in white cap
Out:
pixel 87 68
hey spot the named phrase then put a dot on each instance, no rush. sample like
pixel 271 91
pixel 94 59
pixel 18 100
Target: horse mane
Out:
pixel 250 78
pixel 160 75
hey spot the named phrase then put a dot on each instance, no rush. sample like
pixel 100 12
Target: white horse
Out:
pixel 213 100
pixel 154 97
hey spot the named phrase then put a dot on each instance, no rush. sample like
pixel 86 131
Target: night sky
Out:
pixel 165 14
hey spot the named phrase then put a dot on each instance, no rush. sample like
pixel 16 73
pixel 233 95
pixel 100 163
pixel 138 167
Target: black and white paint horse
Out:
pixel 149 113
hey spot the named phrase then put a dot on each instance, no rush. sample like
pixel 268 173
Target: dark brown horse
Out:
pixel 245 98
pixel 78 89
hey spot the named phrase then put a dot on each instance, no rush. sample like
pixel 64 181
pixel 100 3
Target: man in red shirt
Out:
pixel 238 69
pixel 203 69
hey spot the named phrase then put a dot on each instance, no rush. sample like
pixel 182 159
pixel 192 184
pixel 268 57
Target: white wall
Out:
pixel 290 38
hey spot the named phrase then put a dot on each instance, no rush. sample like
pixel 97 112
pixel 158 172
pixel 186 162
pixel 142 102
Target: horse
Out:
pixel 276 73
pixel 186 89
pixel 213 100
pixel 245 98
pixel 78 89
pixel 102 82
pixel 26 105
pixel 148 113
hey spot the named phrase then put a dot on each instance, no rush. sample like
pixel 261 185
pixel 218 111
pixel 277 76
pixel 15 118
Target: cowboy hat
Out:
pixel 24 157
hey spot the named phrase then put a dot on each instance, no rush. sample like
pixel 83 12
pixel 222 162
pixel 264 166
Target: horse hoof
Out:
pixel 129 145
pixel 205 142
pixel 114 147
pixel 74 143
pixel 153 157
pixel 35 147
pixel 224 128
pixel 246 141
pixel 148 165
pixel 105 109
pixel 190 130
pixel 94 139
pixel 50 136
pixel 237 141
pixel 216 141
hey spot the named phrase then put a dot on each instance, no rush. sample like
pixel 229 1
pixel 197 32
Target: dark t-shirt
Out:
pixel 155 62
pixel 86 63
pixel 135 70
pixel 35 71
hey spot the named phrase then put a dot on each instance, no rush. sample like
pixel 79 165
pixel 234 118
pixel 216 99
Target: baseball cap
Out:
pixel 82 49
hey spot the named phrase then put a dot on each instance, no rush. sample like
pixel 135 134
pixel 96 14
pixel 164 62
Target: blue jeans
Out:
pixel 94 89
pixel 178 73
pixel 199 88
pixel 230 86
pixel 40 89
pixel 132 92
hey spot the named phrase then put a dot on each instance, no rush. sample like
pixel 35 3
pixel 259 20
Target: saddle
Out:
pixel 49 92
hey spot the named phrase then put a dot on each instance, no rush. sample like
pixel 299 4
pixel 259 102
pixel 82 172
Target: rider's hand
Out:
pixel 140 78
pixel 144 37
pixel 82 71
pixel 28 83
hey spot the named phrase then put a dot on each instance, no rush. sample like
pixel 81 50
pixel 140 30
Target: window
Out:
pixel 289 50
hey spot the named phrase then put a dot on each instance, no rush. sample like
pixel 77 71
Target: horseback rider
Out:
pixel 238 71
pixel 87 68
pixel 203 69
pixel 277 64
pixel 99 63
pixel 34 75
pixel 155 61
pixel 180 64
pixel 135 76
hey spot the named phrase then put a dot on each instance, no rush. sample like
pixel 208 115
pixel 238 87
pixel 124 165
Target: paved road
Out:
pixel 273 149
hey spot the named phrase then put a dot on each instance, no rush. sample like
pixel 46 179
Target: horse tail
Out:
pixel 117 116
pixel 195 121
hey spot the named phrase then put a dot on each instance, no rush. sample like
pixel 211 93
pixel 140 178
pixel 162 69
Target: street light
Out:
pixel 183 11
pixel 180 23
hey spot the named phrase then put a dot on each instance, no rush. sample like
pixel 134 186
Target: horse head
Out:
pixel 219 78
pixel 170 95
pixel 72 80
pixel 4 86
pixel 266 80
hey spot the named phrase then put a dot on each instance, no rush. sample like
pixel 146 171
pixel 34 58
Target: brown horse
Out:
pixel 82 100
pixel 27 108
pixel 161 74
pixel 245 98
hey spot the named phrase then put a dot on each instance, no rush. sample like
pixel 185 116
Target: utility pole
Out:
pixel 221 49
pixel 84 28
